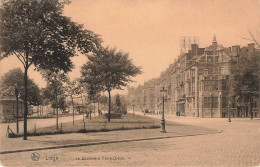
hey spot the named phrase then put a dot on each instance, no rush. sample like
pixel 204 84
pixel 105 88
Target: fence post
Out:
pixel 7 132
pixel 35 128
pixel 105 125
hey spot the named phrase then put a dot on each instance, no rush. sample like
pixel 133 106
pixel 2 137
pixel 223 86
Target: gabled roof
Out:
pixel 227 51
pixel 210 48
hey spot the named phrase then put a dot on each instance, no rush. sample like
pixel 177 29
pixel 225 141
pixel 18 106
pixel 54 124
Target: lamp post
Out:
pixel 251 107
pixel 133 105
pixel 229 114
pixel 211 105
pixel 163 91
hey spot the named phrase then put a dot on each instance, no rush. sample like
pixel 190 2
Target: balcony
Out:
pixel 190 95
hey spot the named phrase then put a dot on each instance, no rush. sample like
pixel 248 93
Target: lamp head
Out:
pixel 163 91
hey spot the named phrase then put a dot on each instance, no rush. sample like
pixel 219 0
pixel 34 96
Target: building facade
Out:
pixel 196 84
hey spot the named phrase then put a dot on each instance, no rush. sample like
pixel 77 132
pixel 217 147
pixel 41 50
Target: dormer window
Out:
pixel 205 71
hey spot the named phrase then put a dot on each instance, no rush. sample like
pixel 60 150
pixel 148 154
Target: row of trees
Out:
pixel 38 34
pixel 57 92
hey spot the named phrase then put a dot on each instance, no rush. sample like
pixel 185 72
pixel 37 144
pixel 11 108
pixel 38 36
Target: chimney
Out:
pixel 251 48
pixel 235 49
pixel 194 49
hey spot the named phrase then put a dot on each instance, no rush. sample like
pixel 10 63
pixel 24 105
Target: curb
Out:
pixel 98 143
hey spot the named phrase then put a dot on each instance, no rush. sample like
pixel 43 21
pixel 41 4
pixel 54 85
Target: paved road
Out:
pixel 237 145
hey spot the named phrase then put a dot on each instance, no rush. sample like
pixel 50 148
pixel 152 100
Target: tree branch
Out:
pixel 21 56
pixel 18 56
pixel 30 63
pixel 253 38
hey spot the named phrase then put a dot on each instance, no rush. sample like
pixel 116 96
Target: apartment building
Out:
pixel 196 84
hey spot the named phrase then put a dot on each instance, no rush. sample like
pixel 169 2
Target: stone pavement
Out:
pixel 11 145
pixel 237 145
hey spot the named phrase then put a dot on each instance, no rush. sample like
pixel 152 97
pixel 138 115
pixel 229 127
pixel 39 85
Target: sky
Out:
pixel 150 30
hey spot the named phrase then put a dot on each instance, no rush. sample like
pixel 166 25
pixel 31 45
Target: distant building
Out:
pixel 196 84
pixel 8 109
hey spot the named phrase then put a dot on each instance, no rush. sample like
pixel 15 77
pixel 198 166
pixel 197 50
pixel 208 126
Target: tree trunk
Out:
pixel 17 111
pixel 25 98
pixel 57 118
pixel 98 109
pixel 38 110
pixel 94 109
pixel 109 105
pixel 72 107
pixel 90 112
pixel 81 99
pixel 251 110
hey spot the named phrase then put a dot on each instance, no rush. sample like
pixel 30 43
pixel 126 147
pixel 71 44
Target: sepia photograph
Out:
pixel 172 83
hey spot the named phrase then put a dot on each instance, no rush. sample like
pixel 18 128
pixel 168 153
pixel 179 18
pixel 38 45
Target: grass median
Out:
pixel 97 124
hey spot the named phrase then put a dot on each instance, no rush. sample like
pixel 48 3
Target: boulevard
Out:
pixel 236 145
pixel 130 83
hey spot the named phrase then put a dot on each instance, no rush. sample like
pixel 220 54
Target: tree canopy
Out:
pixel 108 69
pixel 245 76
pixel 37 33
pixel 14 79
pixel 54 86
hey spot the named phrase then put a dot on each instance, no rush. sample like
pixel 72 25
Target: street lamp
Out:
pixel 251 107
pixel 229 112
pixel 211 105
pixel 163 92
pixel 133 104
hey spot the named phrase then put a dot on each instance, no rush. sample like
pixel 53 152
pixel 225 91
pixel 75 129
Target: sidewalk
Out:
pixel 12 145
pixel 40 123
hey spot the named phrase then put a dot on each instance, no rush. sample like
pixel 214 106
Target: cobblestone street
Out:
pixel 237 145
pixel 149 83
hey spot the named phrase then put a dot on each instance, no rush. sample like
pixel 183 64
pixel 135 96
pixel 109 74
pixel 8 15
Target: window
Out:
pixel 214 102
pixel 206 102
pixel 255 104
pixel 205 71
pixel 169 90
pixel 210 102
pixel 207 86
pixel 233 105
pixel 215 85
pixel 192 73
pixel 189 88
pixel 224 102
pixel 224 85
pixel 221 70
pixel 193 88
